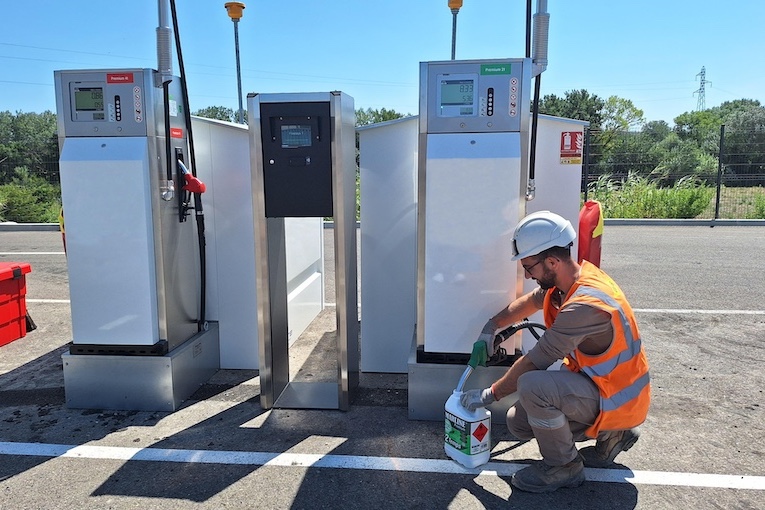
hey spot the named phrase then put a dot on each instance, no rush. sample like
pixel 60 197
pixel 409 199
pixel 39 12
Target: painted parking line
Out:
pixel 638 310
pixel 367 463
pixel 692 311
pixel 27 253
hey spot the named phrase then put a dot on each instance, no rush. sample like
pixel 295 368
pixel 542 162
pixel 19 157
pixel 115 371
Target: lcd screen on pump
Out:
pixel 89 99
pixel 296 135
pixel 457 92
pixel 457 95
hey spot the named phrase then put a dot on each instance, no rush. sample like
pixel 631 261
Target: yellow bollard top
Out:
pixel 234 10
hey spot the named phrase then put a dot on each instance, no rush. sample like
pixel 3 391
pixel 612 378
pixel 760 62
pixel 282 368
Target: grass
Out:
pixel 738 203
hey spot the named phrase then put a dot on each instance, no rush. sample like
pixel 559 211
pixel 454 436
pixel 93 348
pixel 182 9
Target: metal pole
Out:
pixel 719 170
pixel 586 165
pixel 235 11
pixel 454 32
pixel 240 113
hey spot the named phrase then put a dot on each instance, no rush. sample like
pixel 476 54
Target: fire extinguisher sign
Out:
pixel 571 145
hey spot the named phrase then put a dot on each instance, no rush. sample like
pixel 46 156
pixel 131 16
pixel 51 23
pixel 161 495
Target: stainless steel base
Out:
pixel 142 383
pixel 431 384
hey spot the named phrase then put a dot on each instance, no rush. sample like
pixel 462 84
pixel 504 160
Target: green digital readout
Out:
pixel 457 93
pixel 90 99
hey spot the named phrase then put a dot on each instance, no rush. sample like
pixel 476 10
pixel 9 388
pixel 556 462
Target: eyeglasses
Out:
pixel 529 268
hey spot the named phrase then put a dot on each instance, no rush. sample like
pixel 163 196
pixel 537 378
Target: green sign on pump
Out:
pixel 495 69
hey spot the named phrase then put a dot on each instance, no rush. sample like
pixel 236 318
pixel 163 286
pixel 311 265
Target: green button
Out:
pixel 495 69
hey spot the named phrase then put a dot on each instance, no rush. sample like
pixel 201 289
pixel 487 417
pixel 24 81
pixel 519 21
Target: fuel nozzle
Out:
pixel 193 184
pixel 480 355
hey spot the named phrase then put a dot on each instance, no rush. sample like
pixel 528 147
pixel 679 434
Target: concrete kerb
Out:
pixel 47 227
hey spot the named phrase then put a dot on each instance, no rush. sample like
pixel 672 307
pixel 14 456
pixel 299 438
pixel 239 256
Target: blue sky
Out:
pixel 648 51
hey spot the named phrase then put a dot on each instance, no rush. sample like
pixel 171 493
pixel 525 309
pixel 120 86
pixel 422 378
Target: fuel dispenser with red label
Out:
pixel 138 340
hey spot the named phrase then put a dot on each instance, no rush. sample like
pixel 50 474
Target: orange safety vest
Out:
pixel 620 373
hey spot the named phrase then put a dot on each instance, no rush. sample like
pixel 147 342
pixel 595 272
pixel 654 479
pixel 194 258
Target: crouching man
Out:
pixel 603 390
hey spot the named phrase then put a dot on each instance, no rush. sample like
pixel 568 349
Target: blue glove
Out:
pixel 487 336
pixel 473 399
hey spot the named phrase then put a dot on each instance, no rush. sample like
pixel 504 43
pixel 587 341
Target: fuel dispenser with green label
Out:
pixel 473 166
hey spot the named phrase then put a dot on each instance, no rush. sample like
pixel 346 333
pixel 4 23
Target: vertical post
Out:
pixel 586 165
pixel 719 170
pixel 454 5
pixel 240 114
pixel 235 11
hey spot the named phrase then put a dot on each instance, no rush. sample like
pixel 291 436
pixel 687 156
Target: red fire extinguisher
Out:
pixel 590 232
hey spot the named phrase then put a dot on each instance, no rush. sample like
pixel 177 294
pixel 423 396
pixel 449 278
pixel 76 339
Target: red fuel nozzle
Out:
pixel 193 184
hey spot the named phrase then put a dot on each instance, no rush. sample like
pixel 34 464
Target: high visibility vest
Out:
pixel 620 373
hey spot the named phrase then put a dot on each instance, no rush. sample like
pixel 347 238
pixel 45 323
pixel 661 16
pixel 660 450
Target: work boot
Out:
pixel 605 450
pixel 541 477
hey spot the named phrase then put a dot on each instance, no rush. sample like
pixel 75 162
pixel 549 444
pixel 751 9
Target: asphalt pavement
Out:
pixel 698 296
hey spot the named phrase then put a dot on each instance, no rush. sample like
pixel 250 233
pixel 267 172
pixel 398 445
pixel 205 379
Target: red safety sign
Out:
pixel 571 145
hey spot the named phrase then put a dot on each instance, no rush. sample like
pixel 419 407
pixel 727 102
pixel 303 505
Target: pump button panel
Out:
pixel 458 96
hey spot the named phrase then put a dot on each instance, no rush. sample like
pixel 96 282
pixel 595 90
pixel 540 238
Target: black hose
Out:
pixel 534 121
pixel 198 211
pixel 168 143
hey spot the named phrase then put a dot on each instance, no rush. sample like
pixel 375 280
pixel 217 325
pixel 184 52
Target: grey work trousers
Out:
pixel 555 407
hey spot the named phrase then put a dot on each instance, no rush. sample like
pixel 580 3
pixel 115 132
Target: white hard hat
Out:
pixel 539 231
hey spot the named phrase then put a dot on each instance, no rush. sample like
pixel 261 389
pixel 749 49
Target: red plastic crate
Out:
pixel 13 305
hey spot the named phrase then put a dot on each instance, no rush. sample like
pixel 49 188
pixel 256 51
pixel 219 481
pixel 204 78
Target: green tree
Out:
pixel 218 113
pixel 698 126
pixel 577 104
pixel 680 158
pixel 620 114
pixel 745 144
pixel 28 140
pixel 656 130
pixel 370 116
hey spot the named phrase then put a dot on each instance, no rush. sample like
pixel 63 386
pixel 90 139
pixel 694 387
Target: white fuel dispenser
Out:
pixel 474 118
pixel 134 261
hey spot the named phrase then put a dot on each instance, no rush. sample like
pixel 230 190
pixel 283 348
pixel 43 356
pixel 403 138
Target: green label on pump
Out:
pixel 495 69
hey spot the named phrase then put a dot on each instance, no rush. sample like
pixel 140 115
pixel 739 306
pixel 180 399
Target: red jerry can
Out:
pixel 590 232
pixel 13 308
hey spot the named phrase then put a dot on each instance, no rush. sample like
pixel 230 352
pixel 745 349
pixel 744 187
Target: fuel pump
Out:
pixel 476 159
pixel 136 268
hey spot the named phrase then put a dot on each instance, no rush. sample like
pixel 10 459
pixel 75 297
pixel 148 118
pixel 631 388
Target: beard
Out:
pixel 547 280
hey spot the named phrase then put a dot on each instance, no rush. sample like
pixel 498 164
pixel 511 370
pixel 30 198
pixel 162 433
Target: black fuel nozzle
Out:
pixel 501 354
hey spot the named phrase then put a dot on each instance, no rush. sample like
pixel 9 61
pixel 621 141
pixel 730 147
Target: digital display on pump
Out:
pixel 296 135
pixel 90 99
pixel 457 93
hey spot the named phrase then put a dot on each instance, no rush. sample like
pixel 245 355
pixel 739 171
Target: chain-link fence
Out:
pixel 726 171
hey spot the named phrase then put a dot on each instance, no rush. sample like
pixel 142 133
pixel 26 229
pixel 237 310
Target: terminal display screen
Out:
pixel 296 135
pixel 457 92
pixel 90 99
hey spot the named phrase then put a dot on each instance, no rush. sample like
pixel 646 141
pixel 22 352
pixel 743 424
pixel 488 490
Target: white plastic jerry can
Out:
pixel 467 434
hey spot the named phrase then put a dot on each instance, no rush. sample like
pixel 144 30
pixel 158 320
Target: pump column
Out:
pixel 302 155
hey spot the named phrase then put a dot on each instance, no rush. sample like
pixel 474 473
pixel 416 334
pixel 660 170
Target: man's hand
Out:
pixel 473 399
pixel 487 336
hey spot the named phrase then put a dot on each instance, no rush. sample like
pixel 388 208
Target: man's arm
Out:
pixel 508 383
pixel 518 310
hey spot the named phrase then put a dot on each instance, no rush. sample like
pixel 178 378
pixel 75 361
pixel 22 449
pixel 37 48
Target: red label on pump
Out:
pixel 176 133
pixel 119 77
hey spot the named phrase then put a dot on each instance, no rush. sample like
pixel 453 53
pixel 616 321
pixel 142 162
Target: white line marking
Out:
pixel 639 310
pixel 710 312
pixel 14 253
pixel 370 463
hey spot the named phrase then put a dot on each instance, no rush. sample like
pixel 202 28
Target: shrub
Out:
pixel 637 197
